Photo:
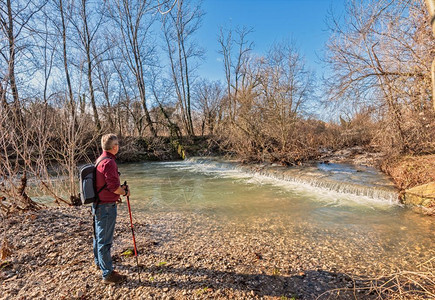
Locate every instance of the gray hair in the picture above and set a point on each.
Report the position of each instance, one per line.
(108, 141)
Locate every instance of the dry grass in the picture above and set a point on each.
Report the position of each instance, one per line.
(410, 171)
(418, 284)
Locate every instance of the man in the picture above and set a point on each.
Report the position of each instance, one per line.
(105, 210)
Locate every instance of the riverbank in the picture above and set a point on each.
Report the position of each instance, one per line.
(406, 172)
(47, 254)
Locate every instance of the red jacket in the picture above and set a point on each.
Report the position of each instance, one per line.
(107, 173)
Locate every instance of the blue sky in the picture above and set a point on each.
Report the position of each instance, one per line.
(302, 21)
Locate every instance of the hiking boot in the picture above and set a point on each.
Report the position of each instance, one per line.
(114, 277)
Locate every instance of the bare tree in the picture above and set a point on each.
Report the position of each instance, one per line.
(234, 63)
(125, 95)
(15, 158)
(62, 29)
(179, 27)
(14, 19)
(68, 146)
(209, 99)
(162, 90)
(8, 20)
(269, 93)
(87, 20)
(134, 20)
(285, 85)
(379, 54)
(226, 43)
(105, 74)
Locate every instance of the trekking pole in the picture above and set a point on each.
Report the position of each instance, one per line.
(132, 230)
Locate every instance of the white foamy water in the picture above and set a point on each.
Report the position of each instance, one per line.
(316, 185)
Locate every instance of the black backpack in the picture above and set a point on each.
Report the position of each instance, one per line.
(88, 189)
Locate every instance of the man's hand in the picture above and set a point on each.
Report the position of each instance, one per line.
(123, 190)
(126, 190)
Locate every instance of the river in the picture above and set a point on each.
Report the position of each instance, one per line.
(350, 215)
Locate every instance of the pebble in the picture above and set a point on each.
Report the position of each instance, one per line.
(80, 294)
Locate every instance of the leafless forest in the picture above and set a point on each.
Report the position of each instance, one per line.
(72, 70)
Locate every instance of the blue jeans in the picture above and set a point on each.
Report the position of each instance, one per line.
(105, 219)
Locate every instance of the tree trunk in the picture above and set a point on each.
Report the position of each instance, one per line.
(82, 104)
(12, 80)
(87, 44)
(147, 113)
(4, 104)
(104, 83)
(91, 93)
(130, 34)
(188, 108)
(65, 62)
(174, 77)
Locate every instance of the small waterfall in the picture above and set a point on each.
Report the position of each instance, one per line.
(343, 179)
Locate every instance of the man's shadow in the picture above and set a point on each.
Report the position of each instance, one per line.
(310, 284)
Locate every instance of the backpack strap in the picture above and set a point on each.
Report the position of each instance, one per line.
(95, 176)
(95, 182)
(103, 158)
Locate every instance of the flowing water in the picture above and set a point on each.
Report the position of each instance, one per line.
(350, 209)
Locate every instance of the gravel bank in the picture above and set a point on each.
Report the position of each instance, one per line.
(182, 256)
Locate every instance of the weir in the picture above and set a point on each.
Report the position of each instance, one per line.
(341, 178)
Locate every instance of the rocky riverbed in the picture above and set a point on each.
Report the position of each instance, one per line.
(48, 255)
